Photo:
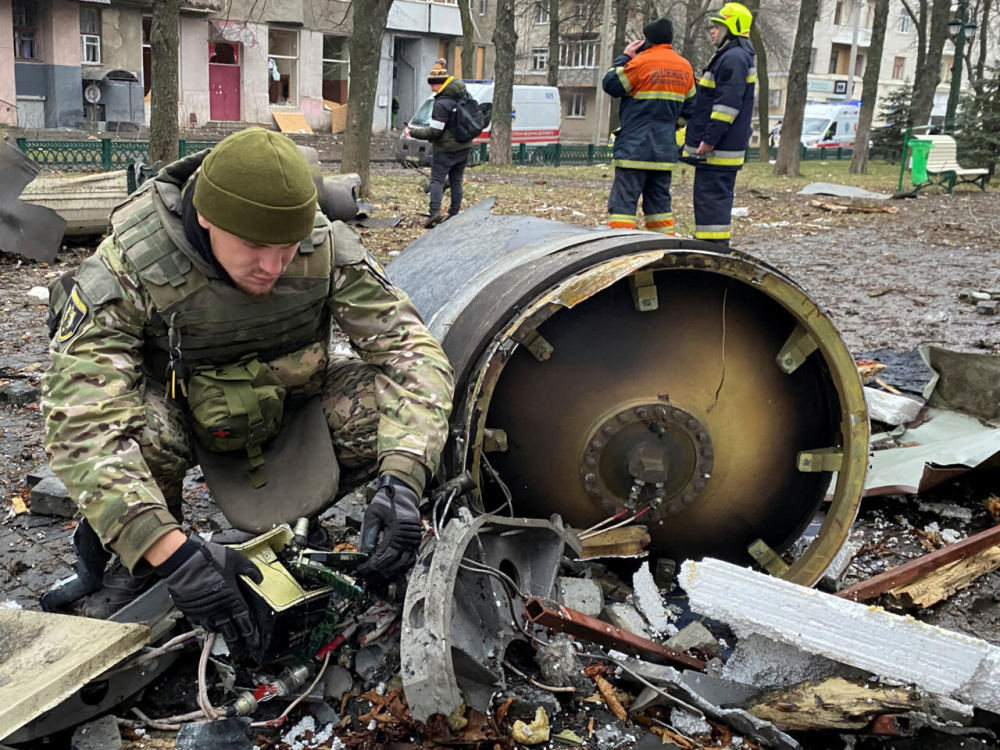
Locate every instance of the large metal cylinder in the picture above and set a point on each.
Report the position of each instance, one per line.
(599, 370)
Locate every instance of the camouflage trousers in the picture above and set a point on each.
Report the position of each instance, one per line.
(348, 401)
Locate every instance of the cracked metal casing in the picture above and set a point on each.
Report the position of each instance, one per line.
(456, 623)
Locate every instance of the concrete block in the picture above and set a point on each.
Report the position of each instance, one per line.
(889, 408)
(694, 635)
(766, 664)
(625, 617)
(582, 594)
(50, 498)
(48, 657)
(987, 307)
(830, 580)
(689, 724)
(36, 475)
(100, 734)
(647, 597)
(18, 393)
(899, 648)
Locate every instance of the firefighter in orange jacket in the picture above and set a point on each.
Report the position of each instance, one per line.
(657, 88)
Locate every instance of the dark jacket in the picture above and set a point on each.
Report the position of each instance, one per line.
(723, 110)
(657, 91)
(439, 132)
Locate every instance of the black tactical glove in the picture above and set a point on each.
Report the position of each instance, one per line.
(392, 513)
(202, 580)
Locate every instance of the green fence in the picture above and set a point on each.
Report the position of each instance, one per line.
(570, 155)
(106, 154)
(98, 155)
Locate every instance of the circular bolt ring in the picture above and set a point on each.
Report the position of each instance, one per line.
(604, 434)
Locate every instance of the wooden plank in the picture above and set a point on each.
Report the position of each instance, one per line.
(45, 658)
(338, 116)
(833, 703)
(627, 541)
(944, 582)
(292, 122)
(921, 566)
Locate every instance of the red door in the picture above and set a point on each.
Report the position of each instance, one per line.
(224, 81)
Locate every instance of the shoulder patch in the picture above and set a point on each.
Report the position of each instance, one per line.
(377, 269)
(73, 318)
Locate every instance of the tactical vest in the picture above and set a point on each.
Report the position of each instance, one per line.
(207, 321)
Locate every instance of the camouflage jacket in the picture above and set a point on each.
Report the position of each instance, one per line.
(93, 392)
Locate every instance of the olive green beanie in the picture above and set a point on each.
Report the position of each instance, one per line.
(256, 184)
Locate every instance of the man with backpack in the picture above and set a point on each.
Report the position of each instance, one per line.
(455, 122)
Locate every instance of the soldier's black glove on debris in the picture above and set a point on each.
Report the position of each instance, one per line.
(202, 580)
(394, 514)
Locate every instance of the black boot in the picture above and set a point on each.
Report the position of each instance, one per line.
(118, 588)
(435, 218)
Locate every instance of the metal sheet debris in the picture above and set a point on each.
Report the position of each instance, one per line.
(461, 610)
(25, 229)
(842, 191)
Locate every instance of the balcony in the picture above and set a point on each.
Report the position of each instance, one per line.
(844, 34)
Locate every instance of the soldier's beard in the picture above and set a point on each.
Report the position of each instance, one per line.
(254, 291)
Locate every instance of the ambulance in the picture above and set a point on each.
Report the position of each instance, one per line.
(535, 119)
(830, 125)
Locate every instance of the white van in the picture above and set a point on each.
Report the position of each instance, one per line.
(536, 118)
(830, 125)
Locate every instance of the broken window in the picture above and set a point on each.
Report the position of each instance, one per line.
(25, 16)
(282, 66)
(90, 35)
(336, 68)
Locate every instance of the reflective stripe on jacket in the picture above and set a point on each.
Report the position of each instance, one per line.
(723, 109)
(657, 91)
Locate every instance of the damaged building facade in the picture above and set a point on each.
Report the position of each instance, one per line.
(79, 63)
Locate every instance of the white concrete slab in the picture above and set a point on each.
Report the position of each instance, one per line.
(900, 648)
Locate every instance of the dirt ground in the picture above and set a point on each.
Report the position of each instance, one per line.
(889, 280)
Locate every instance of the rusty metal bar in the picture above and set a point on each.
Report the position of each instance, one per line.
(921, 566)
(584, 627)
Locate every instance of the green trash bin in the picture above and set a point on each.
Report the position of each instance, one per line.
(919, 150)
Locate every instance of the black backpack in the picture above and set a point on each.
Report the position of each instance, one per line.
(468, 120)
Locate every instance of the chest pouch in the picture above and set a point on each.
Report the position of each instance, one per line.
(236, 407)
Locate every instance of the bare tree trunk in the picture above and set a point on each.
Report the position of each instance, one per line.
(552, 73)
(505, 43)
(622, 10)
(789, 150)
(919, 18)
(984, 36)
(366, 54)
(648, 11)
(763, 86)
(468, 40)
(929, 76)
(859, 157)
(164, 42)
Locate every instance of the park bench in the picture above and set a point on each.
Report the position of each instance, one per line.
(943, 168)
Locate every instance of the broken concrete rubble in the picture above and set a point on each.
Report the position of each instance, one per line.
(649, 603)
(694, 636)
(936, 660)
(582, 594)
(768, 664)
(100, 734)
(51, 498)
(891, 409)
